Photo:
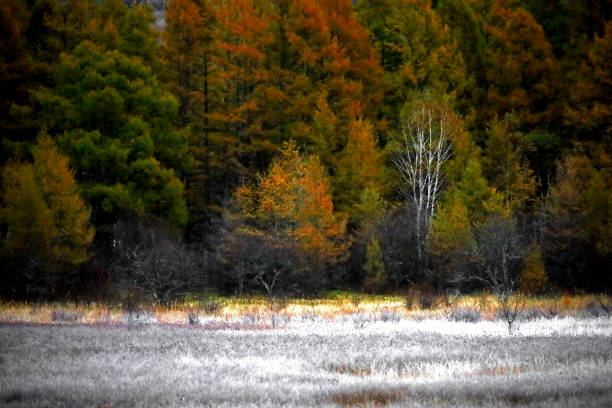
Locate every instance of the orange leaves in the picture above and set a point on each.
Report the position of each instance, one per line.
(242, 23)
(242, 47)
(242, 51)
(522, 70)
(243, 19)
(589, 108)
(335, 47)
(293, 200)
(581, 199)
(185, 15)
(338, 62)
(277, 195)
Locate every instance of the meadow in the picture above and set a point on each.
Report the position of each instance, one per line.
(340, 352)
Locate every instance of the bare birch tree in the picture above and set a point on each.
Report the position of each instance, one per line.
(424, 148)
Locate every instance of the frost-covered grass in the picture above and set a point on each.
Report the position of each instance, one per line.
(355, 359)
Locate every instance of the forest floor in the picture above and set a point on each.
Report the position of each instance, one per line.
(364, 357)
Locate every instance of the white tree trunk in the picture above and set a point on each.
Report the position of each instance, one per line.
(425, 147)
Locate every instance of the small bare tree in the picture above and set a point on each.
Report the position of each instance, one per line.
(273, 264)
(154, 261)
(254, 259)
(499, 261)
(424, 149)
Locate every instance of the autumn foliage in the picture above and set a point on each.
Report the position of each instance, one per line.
(269, 135)
(293, 201)
(49, 231)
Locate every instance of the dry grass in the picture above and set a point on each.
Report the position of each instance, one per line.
(259, 308)
(369, 398)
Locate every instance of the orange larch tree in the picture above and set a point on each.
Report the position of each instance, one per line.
(244, 38)
(49, 229)
(589, 108)
(416, 50)
(360, 167)
(189, 47)
(522, 72)
(293, 202)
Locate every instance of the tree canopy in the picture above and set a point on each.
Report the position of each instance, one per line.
(308, 144)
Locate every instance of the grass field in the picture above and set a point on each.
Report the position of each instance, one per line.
(364, 355)
(261, 309)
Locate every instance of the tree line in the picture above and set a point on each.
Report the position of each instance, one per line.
(291, 146)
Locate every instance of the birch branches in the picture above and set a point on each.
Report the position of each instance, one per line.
(424, 148)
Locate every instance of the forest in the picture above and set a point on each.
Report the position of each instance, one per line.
(288, 147)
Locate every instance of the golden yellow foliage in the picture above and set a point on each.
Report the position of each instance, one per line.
(534, 279)
(48, 221)
(293, 201)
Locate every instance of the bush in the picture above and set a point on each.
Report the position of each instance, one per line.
(468, 315)
(260, 262)
(361, 320)
(595, 309)
(193, 317)
(154, 261)
(530, 314)
(66, 316)
(277, 304)
(389, 316)
(211, 307)
(423, 297)
(138, 317)
(445, 301)
(426, 301)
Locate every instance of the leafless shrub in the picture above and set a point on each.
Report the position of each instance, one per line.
(258, 261)
(362, 320)
(553, 309)
(446, 302)
(423, 297)
(531, 314)
(139, 317)
(595, 309)
(152, 260)
(499, 259)
(211, 307)
(390, 316)
(468, 315)
(193, 317)
(63, 315)
(276, 305)
(510, 309)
